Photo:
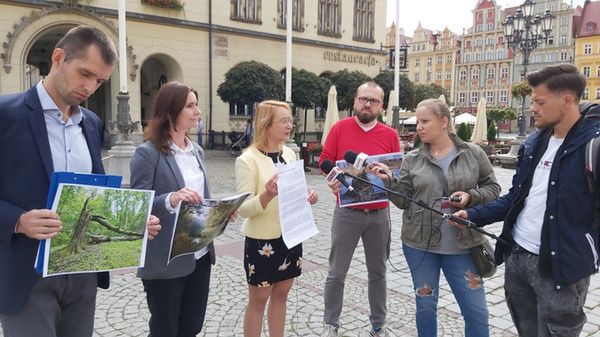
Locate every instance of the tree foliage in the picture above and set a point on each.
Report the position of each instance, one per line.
(425, 91)
(464, 132)
(308, 89)
(406, 90)
(491, 131)
(498, 114)
(346, 83)
(251, 82)
(521, 90)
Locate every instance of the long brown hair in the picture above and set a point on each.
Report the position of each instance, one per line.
(263, 119)
(168, 103)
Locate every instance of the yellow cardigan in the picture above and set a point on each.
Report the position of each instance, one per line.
(252, 171)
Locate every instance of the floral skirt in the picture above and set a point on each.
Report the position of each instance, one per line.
(270, 261)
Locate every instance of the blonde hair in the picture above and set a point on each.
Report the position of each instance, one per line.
(263, 119)
(440, 109)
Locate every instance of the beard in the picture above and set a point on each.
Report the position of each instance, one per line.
(365, 118)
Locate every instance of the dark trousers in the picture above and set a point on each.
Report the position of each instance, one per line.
(177, 306)
(537, 308)
(58, 306)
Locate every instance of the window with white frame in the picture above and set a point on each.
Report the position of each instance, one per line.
(477, 57)
(429, 61)
(491, 73)
(490, 26)
(587, 48)
(586, 94)
(563, 39)
(462, 97)
(439, 59)
(503, 96)
(417, 62)
(428, 76)
(597, 93)
(462, 75)
(246, 10)
(474, 97)
(504, 72)
(563, 56)
(438, 75)
(587, 71)
(490, 41)
(448, 75)
(489, 97)
(598, 72)
(550, 57)
(364, 20)
(500, 54)
(537, 58)
(468, 58)
(297, 14)
(449, 59)
(475, 73)
(330, 18)
(550, 40)
(417, 77)
(477, 42)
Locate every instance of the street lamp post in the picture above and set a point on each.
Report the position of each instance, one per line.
(525, 32)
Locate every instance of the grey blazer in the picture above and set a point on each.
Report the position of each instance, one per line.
(153, 170)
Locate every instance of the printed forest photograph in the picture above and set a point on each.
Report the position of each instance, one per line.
(103, 229)
(197, 225)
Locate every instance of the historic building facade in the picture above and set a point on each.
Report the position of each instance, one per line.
(432, 58)
(196, 42)
(484, 68)
(587, 49)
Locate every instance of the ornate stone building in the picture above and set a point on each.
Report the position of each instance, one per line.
(587, 48)
(485, 64)
(432, 58)
(196, 42)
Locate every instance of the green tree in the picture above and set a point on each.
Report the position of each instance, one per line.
(251, 82)
(498, 114)
(346, 83)
(491, 132)
(406, 88)
(308, 91)
(464, 132)
(425, 91)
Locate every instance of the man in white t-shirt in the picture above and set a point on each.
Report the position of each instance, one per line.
(549, 212)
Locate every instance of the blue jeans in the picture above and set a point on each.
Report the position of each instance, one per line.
(466, 285)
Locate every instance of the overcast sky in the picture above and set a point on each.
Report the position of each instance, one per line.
(437, 14)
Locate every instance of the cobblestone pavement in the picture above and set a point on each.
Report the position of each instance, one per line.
(122, 310)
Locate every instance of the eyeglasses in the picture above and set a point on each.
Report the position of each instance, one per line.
(286, 120)
(373, 101)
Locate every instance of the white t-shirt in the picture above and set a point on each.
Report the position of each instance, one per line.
(528, 228)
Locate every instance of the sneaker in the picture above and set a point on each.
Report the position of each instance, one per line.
(381, 333)
(330, 331)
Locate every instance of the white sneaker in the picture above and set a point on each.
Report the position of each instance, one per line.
(330, 331)
(381, 333)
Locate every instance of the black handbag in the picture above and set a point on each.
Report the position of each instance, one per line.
(483, 257)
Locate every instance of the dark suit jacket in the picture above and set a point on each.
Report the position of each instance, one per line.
(25, 170)
(153, 170)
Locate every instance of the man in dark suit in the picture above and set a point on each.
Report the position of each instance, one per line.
(41, 131)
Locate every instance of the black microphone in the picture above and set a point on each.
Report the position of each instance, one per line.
(358, 161)
(334, 172)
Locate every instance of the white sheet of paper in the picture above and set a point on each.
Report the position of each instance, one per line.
(295, 214)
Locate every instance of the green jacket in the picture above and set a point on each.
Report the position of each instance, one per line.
(469, 172)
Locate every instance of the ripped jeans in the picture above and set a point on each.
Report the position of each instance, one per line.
(465, 284)
(536, 307)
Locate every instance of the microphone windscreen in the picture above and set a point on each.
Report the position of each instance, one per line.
(327, 166)
(350, 156)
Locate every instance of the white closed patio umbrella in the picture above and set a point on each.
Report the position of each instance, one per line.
(389, 117)
(332, 114)
(442, 98)
(479, 135)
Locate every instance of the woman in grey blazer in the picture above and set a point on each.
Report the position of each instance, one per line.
(172, 165)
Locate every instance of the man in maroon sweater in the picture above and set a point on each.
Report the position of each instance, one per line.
(359, 133)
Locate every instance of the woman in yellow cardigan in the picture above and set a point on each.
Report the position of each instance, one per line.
(270, 266)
